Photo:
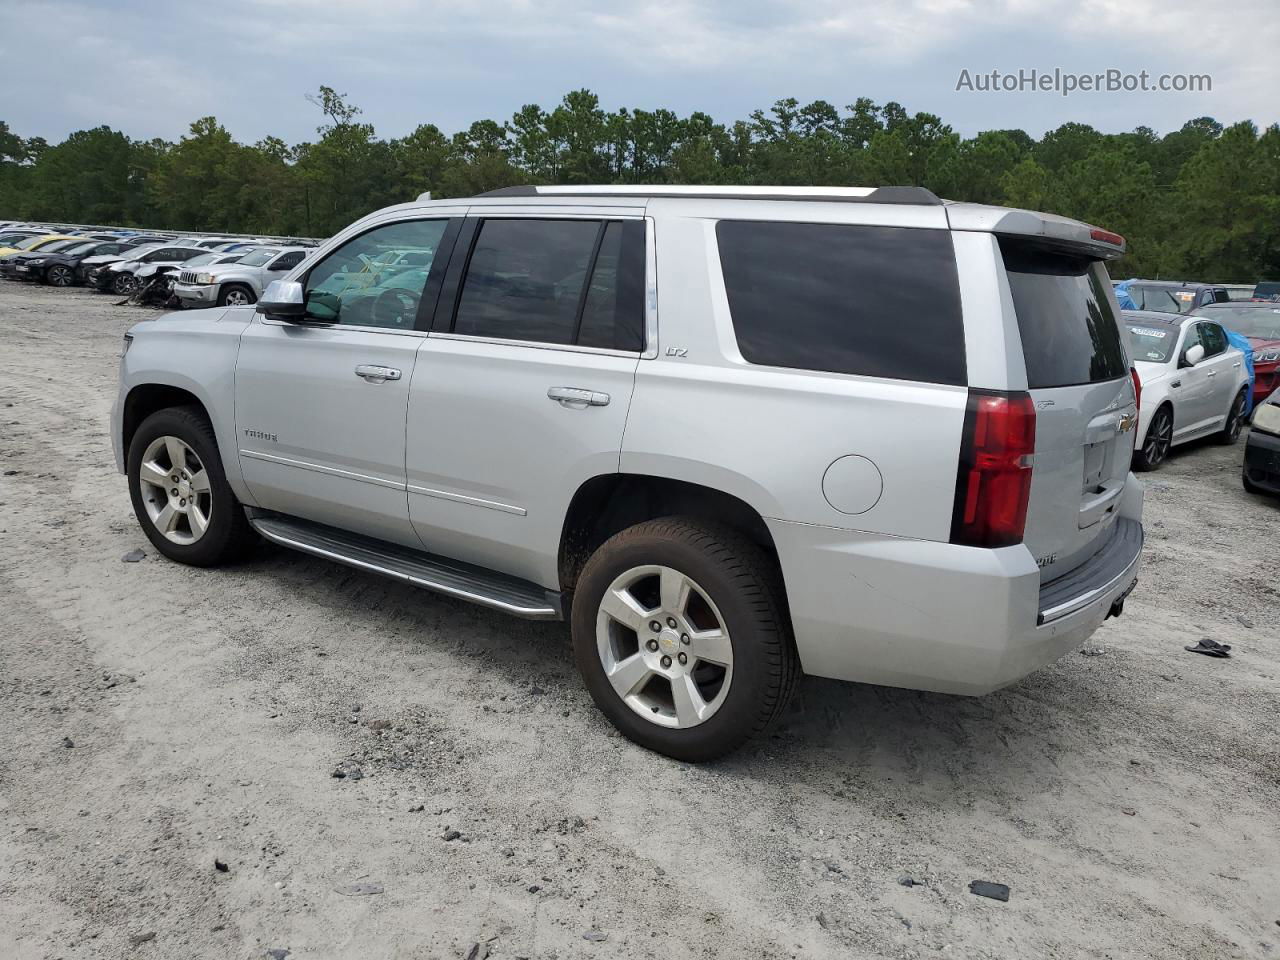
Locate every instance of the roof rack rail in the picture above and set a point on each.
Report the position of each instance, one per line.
(907, 195)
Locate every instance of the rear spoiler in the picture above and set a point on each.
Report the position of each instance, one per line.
(1057, 231)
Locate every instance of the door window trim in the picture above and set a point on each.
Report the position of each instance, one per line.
(451, 289)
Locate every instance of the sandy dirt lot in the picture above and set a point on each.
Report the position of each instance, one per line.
(162, 723)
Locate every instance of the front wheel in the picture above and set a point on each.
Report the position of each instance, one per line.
(180, 493)
(681, 635)
(59, 275)
(1156, 444)
(124, 284)
(1235, 420)
(236, 295)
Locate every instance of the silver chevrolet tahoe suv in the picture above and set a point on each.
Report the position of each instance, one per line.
(729, 434)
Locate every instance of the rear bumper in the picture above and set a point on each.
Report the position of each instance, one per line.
(941, 617)
(1262, 461)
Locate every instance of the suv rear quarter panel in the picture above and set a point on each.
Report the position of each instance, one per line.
(769, 435)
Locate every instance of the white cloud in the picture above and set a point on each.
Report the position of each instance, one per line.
(151, 69)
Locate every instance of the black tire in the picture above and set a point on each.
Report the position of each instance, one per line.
(1230, 432)
(228, 535)
(744, 584)
(123, 284)
(1157, 441)
(237, 288)
(59, 275)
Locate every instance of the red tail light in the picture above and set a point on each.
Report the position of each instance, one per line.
(1137, 388)
(1106, 236)
(993, 485)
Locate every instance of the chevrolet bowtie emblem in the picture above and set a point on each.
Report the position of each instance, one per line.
(1126, 423)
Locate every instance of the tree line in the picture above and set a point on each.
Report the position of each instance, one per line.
(1202, 202)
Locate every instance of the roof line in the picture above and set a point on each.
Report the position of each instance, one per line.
(917, 196)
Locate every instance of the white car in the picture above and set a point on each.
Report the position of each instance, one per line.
(1194, 383)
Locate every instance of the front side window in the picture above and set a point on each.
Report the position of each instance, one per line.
(376, 279)
(556, 282)
(1191, 339)
(1214, 340)
(868, 300)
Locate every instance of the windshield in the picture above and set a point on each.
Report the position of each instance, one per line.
(1162, 299)
(259, 257)
(201, 260)
(1262, 322)
(57, 245)
(9, 239)
(75, 247)
(30, 242)
(1153, 342)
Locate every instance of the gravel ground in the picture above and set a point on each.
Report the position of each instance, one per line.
(170, 735)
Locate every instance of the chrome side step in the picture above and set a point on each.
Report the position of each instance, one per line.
(509, 594)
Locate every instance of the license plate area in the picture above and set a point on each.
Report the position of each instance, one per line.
(1095, 465)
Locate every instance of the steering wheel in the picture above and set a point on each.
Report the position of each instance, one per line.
(395, 308)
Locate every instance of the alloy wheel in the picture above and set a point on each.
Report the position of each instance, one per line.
(236, 298)
(60, 276)
(1235, 419)
(175, 490)
(1159, 440)
(664, 646)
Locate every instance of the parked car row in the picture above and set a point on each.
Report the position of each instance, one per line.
(125, 263)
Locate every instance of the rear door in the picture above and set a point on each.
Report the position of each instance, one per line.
(521, 392)
(1079, 380)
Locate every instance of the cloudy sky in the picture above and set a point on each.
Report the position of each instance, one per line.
(150, 67)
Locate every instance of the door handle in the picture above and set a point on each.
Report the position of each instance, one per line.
(578, 398)
(1212, 373)
(376, 374)
(1236, 364)
(1176, 383)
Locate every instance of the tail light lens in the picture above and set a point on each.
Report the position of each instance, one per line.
(1137, 387)
(993, 484)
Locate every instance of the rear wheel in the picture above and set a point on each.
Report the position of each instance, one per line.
(681, 636)
(180, 493)
(59, 275)
(1235, 420)
(1158, 441)
(235, 295)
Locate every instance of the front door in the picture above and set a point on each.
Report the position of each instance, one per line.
(320, 405)
(521, 392)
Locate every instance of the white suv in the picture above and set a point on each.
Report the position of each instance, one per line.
(730, 434)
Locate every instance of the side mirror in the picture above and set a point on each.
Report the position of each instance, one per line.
(283, 300)
(1193, 355)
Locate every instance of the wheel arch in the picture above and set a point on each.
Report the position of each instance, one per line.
(171, 390)
(607, 504)
(148, 398)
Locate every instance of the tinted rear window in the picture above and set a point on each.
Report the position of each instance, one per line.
(1069, 331)
(875, 301)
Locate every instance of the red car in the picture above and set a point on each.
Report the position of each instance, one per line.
(1259, 320)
